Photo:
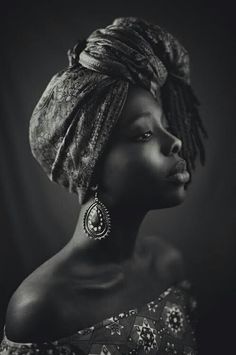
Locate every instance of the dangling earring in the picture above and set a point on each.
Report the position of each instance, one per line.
(97, 220)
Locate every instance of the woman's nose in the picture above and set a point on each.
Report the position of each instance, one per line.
(172, 144)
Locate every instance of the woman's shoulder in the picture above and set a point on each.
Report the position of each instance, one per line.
(30, 308)
(165, 258)
(34, 307)
(47, 305)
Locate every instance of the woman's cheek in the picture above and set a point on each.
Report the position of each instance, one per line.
(127, 169)
(150, 159)
(114, 168)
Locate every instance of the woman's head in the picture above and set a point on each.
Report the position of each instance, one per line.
(85, 106)
(140, 154)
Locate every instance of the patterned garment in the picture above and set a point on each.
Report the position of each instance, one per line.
(75, 116)
(163, 326)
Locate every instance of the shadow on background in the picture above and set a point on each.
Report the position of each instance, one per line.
(38, 217)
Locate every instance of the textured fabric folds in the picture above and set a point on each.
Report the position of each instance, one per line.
(77, 112)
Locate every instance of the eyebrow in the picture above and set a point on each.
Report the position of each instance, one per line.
(143, 114)
(137, 116)
(146, 114)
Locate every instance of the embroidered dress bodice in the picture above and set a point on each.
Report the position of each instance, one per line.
(162, 326)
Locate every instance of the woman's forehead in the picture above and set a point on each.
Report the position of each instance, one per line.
(139, 103)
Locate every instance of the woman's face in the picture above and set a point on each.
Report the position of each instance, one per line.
(139, 156)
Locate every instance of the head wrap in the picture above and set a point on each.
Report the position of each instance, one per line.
(77, 112)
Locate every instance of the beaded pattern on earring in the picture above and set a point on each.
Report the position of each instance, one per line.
(97, 220)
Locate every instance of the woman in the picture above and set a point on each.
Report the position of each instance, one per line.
(120, 128)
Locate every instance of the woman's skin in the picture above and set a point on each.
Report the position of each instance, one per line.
(90, 280)
(132, 176)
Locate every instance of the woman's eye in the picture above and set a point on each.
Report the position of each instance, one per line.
(143, 137)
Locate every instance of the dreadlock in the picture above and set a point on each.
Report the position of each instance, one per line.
(181, 109)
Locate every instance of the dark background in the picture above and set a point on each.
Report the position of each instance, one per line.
(38, 217)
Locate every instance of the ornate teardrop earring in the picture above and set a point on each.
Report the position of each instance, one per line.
(97, 220)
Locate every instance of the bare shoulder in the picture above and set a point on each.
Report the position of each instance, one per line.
(26, 314)
(33, 308)
(166, 259)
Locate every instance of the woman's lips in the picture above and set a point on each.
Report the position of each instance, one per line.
(179, 177)
(179, 173)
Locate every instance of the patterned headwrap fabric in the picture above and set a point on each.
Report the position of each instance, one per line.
(77, 112)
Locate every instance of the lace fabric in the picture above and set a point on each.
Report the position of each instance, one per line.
(162, 326)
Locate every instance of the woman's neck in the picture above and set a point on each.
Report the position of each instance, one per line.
(117, 247)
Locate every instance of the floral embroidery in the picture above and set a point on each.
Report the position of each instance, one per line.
(146, 336)
(152, 306)
(105, 351)
(174, 318)
(170, 348)
(115, 328)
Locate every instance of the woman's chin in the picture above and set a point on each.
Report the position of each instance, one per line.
(177, 196)
(171, 199)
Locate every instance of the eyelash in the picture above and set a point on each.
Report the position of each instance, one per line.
(139, 138)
